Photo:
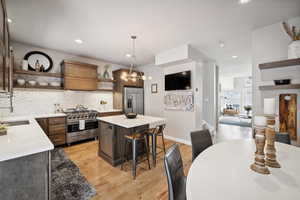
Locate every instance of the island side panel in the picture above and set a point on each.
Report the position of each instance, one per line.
(25, 178)
(111, 142)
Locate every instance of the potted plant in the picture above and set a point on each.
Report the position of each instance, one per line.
(3, 129)
(294, 47)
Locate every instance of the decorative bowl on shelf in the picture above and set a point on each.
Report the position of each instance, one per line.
(55, 84)
(32, 83)
(43, 84)
(21, 81)
(131, 115)
(282, 82)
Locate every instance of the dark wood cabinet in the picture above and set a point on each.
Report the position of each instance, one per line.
(120, 84)
(55, 128)
(112, 141)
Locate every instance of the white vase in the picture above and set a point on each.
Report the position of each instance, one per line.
(294, 50)
(25, 65)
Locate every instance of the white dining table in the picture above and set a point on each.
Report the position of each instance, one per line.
(222, 172)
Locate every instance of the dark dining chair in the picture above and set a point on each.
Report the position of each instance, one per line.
(201, 140)
(175, 175)
(283, 138)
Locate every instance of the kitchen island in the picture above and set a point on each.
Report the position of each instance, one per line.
(112, 132)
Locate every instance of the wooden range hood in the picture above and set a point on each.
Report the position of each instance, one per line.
(79, 76)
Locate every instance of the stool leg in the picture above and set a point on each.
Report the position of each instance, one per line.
(124, 154)
(134, 158)
(147, 150)
(154, 149)
(163, 141)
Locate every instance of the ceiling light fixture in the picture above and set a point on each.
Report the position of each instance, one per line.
(78, 41)
(244, 1)
(9, 20)
(234, 57)
(133, 75)
(128, 55)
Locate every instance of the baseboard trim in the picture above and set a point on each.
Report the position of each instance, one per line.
(178, 140)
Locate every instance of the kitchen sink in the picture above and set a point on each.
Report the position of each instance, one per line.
(16, 123)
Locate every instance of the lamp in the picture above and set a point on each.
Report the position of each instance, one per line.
(133, 75)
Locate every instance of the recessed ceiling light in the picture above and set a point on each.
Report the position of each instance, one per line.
(234, 57)
(244, 1)
(221, 44)
(9, 20)
(78, 41)
(128, 55)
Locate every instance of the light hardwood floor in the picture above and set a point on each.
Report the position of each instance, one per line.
(111, 183)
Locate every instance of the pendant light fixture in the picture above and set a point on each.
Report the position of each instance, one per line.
(133, 75)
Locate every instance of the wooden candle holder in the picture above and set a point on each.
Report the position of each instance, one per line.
(271, 150)
(259, 165)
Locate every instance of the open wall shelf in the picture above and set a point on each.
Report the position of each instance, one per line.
(106, 80)
(33, 73)
(38, 87)
(279, 87)
(280, 64)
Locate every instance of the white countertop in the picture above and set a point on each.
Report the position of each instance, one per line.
(140, 120)
(24, 140)
(223, 172)
(109, 110)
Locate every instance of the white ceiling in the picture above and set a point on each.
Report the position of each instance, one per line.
(105, 26)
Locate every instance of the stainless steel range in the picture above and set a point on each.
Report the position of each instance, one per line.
(82, 124)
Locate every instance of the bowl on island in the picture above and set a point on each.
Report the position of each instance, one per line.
(21, 81)
(131, 115)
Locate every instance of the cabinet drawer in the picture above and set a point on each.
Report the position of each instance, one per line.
(58, 129)
(58, 139)
(57, 120)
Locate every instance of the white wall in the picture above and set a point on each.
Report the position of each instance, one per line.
(271, 44)
(179, 123)
(210, 94)
(226, 82)
(42, 101)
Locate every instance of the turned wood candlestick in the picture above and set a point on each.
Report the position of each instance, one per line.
(260, 140)
(271, 150)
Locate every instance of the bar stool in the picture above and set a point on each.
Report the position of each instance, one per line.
(134, 139)
(154, 133)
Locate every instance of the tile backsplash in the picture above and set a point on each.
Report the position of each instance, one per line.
(39, 102)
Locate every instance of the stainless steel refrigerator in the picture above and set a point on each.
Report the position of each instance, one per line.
(134, 100)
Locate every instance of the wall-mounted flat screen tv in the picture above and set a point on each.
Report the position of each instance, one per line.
(178, 81)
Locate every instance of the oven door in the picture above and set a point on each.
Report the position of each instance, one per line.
(74, 127)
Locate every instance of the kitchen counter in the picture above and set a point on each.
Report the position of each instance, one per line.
(24, 140)
(108, 111)
(112, 135)
(140, 120)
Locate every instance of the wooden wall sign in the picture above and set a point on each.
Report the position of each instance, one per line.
(288, 114)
